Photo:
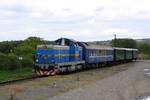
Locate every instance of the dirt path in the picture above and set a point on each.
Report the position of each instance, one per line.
(95, 82)
(127, 85)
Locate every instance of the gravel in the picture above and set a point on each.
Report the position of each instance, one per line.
(131, 84)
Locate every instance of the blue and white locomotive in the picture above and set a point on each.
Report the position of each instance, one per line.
(68, 55)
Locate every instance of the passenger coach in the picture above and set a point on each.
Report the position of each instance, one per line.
(94, 54)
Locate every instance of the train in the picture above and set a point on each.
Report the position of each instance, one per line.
(68, 55)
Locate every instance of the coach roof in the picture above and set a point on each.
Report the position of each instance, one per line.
(128, 49)
(91, 46)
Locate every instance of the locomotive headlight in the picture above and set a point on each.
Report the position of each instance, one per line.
(37, 60)
(52, 60)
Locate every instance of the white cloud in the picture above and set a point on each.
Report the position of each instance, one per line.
(79, 19)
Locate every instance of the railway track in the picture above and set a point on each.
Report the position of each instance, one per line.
(19, 80)
(35, 77)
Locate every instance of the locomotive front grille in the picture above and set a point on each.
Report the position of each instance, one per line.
(45, 66)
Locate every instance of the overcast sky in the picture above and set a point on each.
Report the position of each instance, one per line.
(83, 20)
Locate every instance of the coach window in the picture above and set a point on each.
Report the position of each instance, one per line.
(103, 52)
(95, 53)
(89, 53)
(107, 52)
(110, 52)
(92, 53)
(99, 52)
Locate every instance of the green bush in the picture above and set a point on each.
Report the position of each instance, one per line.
(13, 62)
(144, 48)
(125, 43)
(9, 62)
(27, 62)
(11, 51)
(3, 60)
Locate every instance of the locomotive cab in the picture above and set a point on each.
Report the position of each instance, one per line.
(65, 56)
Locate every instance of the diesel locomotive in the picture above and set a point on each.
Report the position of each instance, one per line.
(68, 55)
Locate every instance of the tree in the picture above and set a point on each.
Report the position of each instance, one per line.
(28, 47)
(144, 48)
(125, 43)
(10, 51)
(7, 46)
(9, 62)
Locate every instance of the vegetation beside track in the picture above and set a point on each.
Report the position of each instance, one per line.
(17, 58)
(7, 75)
(143, 47)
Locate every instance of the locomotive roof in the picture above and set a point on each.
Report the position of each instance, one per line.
(64, 41)
(52, 47)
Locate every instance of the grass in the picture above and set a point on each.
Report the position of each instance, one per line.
(6, 75)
